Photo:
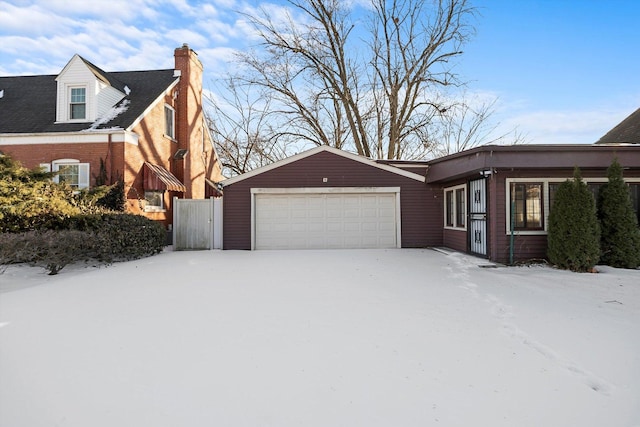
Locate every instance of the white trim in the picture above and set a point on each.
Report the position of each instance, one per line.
(79, 137)
(545, 200)
(316, 150)
(326, 190)
(455, 207)
(84, 179)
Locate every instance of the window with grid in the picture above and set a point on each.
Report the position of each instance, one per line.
(526, 203)
(78, 103)
(71, 172)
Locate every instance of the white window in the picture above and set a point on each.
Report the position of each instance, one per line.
(72, 172)
(154, 201)
(169, 122)
(455, 207)
(78, 103)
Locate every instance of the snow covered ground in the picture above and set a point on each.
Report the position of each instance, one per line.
(319, 338)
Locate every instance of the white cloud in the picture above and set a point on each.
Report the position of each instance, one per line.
(180, 36)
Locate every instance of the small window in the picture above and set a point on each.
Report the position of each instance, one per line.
(154, 201)
(460, 207)
(526, 202)
(455, 207)
(450, 209)
(71, 172)
(169, 122)
(78, 103)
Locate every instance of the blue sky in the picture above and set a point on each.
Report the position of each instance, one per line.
(563, 71)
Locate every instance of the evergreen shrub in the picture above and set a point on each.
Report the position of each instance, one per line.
(124, 237)
(620, 235)
(574, 233)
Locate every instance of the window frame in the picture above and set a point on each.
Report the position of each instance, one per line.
(526, 202)
(84, 169)
(456, 214)
(71, 104)
(154, 207)
(546, 196)
(169, 126)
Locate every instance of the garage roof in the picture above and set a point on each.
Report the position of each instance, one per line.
(317, 150)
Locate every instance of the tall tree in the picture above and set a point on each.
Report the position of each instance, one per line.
(378, 98)
(620, 238)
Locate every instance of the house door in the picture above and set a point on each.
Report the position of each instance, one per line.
(478, 216)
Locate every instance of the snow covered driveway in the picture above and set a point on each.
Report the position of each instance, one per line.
(319, 338)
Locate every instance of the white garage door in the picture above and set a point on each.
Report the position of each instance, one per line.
(319, 221)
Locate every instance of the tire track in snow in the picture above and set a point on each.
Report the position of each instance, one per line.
(504, 313)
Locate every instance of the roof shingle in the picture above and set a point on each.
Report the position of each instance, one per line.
(29, 102)
(627, 131)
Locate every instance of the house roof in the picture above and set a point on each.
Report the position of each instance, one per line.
(527, 157)
(29, 102)
(317, 150)
(627, 131)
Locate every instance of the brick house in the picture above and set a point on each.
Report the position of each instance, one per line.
(145, 128)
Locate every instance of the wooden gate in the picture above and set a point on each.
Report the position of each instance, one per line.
(194, 224)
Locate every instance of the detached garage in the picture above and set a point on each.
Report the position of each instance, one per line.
(326, 198)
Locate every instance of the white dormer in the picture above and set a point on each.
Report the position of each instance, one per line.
(84, 93)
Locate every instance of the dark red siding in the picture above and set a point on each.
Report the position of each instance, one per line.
(421, 206)
(455, 239)
(525, 247)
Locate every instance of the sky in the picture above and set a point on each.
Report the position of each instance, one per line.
(562, 71)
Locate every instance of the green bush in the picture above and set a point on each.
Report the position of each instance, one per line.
(51, 225)
(115, 199)
(574, 234)
(123, 237)
(620, 238)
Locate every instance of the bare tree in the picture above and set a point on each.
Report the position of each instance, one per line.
(466, 124)
(375, 98)
(241, 129)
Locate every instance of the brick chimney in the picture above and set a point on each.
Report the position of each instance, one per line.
(189, 120)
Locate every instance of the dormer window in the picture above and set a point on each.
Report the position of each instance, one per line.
(78, 103)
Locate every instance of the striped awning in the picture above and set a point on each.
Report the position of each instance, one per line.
(157, 177)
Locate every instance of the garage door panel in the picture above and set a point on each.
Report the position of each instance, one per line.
(315, 221)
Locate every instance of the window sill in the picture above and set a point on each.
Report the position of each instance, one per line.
(169, 138)
(154, 209)
(449, 227)
(527, 232)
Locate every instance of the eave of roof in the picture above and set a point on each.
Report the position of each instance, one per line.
(317, 150)
(527, 156)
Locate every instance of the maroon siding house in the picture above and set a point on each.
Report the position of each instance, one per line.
(328, 198)
(490, 201)
(497, 198)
